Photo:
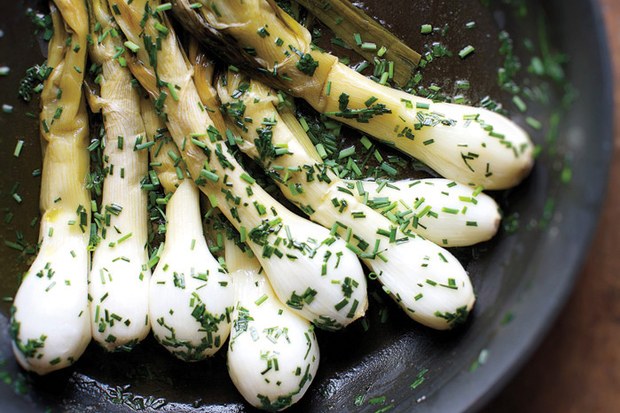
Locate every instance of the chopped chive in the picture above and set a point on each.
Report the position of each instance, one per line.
(466, 51)
(462, 84)
(18, 148)
(345, 153)
(211, 176)
(519, 103)
(370, 101)
(124, 238)
(132, 46)
(366, 142)
(262, 32)
(384, 78)
(261, 300)
(358, 39)
(144, 145)
(161, 28)
(389, 169)
(362, 66)
(173, 91)
(247, 178)
(368, 46)
(534, 123)
(163, 7)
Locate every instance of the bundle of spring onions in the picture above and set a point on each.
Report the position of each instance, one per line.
(423, 278)
(170, 123)
(462, 143)
(307, 266)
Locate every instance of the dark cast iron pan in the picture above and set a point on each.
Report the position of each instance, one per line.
(522, 279)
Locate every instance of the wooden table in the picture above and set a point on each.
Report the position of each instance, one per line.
(577, 367)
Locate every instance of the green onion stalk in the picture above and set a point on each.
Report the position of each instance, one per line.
(426, 280)
(470, 145)
(306, 265)
(191, 295)
(50, 325)
(120, 274)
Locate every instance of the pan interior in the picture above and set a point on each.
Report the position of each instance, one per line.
(522, 277)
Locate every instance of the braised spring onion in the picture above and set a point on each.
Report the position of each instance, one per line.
(446, 212)
(470, 145)
(119, 277)
(273, 354)
(50, 326)
(191, 295)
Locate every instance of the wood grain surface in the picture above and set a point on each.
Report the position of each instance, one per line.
(577, 367)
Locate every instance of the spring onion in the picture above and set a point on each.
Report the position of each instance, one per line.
(273, 354)
(49, 318)
(191, 295)
(119, 277)
(459, 215)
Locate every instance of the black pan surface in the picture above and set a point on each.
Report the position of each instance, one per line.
(522, 278)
